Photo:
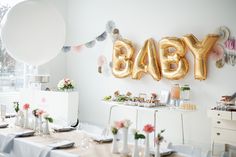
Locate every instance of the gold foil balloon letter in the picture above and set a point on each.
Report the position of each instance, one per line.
(200, 50)
(122, 58)
(174, 65)
(146, 61)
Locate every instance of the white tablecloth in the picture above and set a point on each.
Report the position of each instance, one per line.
(33, 146)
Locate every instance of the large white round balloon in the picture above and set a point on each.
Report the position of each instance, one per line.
(33, 32)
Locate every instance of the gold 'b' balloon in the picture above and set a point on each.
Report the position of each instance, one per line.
(174, 65)
(146, 61)
(200, 50)
(122, 58)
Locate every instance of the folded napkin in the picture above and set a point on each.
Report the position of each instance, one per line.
(61, 144)
(100, 137)
(56, 145)
(8, 140)
(63, 129)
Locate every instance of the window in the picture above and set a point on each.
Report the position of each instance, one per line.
(12, 73)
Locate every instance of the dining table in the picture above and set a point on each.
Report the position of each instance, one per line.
(33, 146)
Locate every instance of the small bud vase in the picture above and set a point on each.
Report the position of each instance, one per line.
(114, 146)
(147, 147)
(136, 149)
(46, 128)
(22, 119)
(35, 123)
(124, 149)
(157, 151)
(40, 125)
(17, 119)
(26, 121)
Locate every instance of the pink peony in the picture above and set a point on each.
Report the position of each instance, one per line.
(119, 124)
(148, 128)
(26, 106)
(39, 112)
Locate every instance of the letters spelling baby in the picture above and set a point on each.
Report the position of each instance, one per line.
(172, 63)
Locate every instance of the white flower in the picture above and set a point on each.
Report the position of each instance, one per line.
(60, 84)
(127, 123)
(45, 115)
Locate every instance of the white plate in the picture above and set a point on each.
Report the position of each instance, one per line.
(3, 125)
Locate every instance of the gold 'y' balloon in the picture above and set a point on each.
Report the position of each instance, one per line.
(174, 65)
(122, 58)
(146, 61)
(200, 50)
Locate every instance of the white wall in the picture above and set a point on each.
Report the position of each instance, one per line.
(138, 21)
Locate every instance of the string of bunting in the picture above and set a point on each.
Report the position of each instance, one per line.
(111, 30)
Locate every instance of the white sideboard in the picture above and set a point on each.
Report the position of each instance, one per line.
(62, 106)
(223, 127)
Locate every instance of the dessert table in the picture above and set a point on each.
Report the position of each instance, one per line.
(34, 145)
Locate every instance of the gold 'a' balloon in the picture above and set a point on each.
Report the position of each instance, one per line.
(146, 61)
(174, 65)
(122, 58)
(200, 50)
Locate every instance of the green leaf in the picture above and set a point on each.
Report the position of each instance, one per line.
(114, 130)
(138, 136)
(50, 120)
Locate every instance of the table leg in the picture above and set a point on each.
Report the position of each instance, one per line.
(155, 120)
(109, 119)
(136, 119)
(182, 128)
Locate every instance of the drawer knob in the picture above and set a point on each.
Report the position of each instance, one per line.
(217, 133)
(218, 114)
(218, 122)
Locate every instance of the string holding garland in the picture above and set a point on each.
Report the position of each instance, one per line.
(111, 30)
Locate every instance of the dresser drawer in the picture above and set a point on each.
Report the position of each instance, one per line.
(224, 135)
(225, 124)
(234, 116)
(220, 114)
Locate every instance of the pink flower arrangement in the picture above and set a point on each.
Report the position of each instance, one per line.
(119, 124)
(122, 124)
(39, 112)
(148, 128)
(26, 106)
(66, 84)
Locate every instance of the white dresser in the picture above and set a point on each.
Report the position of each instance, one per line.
(223, 127)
